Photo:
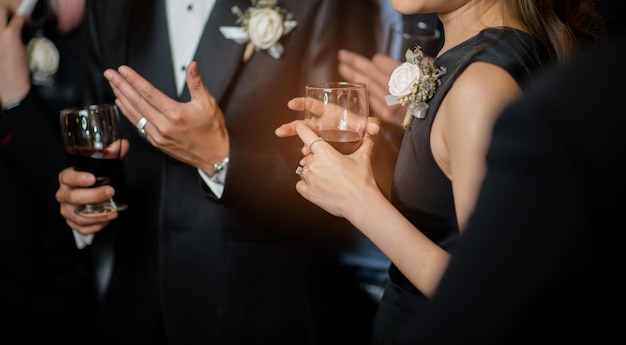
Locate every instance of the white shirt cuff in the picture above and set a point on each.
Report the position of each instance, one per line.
(13, 104)
(81, 240)
(216, 187)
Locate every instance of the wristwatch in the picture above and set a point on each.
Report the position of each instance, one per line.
(219, 171)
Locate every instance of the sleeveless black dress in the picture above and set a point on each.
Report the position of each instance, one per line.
(421, 191)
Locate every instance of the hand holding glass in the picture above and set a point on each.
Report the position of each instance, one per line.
(93, 144)
(338, 112)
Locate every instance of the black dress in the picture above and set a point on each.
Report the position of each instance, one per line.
(421, 191)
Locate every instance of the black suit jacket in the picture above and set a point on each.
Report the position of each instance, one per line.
(256, 266)
(46, 282)
(539, 261)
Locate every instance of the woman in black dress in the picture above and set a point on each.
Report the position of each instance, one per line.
(492, 50)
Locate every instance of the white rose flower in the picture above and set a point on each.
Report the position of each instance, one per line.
(265, 27)
(413, 83)
(43, 57)
(262, 26)
(403, 78)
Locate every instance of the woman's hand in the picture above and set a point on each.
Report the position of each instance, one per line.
(297, 104)
(333, 181)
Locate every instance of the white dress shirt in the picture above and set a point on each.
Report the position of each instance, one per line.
(186, 20)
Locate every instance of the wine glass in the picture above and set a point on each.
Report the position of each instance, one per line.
(337, 112)
(409, 33)
(93, 144)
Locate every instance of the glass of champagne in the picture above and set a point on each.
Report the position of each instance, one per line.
(93, 144)
(338, 112)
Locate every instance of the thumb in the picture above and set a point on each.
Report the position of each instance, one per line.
(367, 146)
(195, 84)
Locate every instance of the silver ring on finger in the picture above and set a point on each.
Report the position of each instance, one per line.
(141, 126)
(313, 142)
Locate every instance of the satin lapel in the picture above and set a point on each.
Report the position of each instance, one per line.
(218, 57)
(149, 49)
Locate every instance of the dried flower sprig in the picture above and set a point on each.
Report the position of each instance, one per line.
(413, 83)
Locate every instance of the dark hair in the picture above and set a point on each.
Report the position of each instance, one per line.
(563, 25)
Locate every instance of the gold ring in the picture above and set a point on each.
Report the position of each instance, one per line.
(313, 142)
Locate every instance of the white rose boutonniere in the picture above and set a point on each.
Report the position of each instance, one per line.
(413, 83)
(43, 59)
(403, 79)
(262, 26)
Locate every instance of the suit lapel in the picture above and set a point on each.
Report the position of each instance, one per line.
(149, 49)
(218, 57)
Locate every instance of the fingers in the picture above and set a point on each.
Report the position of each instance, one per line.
(17, 23)
(71, 178)
(383, 68)
(307, 136)
(195, 83)
(4, 17)
(287, 129)
(137, 97)
(86, 224)
(74, 188)
(373, 126)
(74, 191)
(200, 94)
(78, 191)
(297, 104)
(354, 67)
(375, 73)
(385, 65)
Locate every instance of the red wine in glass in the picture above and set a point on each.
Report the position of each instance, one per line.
(345, 142)
(338, 112)
(98, 162)
(93, 144)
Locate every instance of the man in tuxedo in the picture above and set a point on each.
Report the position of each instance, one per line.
(216, 245)
(47, 285)
(539, 261)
